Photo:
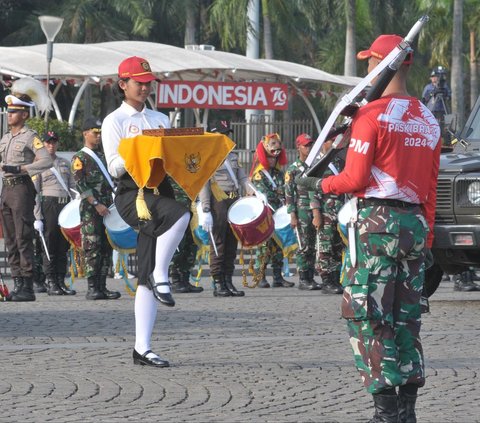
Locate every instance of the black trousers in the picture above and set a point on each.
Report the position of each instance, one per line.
(57, 245)
(17, 203)
(225, 240)
(165, 212)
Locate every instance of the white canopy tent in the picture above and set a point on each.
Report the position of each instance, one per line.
(98, 63)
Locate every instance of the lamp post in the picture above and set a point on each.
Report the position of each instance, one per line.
(50, 26)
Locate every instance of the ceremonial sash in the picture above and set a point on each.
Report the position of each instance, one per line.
(92, 154)
(60, 180)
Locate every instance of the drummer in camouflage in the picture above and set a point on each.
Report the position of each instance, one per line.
(301, 216)
(96, 194)
(183, 260)
(268, 177)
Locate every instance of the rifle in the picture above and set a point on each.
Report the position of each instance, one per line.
(349, 105)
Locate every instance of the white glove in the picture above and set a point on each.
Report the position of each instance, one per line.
(38, 225)
(206, 221)
(261, 196)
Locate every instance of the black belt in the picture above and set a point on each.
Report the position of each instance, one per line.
(372, 202)
(15, 180)
(53, 199)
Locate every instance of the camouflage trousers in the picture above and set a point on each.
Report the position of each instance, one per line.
(269, 252)
(381, 299)
(95, 245)
(184, 257)
(330, 246)
(305, 257)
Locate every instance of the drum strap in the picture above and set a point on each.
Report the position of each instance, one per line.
(229, 168)
(269, 177)
(60, 180)
(92, 154)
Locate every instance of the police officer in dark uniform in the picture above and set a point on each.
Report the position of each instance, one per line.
(96, 194)
(22, 155)
(53, 188)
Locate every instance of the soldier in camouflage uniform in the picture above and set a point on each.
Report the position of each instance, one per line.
(301, 216)
(391, 169)
(329, 249)
(96, 194)
(268, 178)
(184, 257)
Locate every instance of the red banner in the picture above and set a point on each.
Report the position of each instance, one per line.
(222, 95)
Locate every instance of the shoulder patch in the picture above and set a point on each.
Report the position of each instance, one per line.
(37, 143)
(34, 177)
(287, 177)
(77, 164)
(257, 177)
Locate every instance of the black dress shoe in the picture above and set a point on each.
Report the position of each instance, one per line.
(163, 298)
(143, 360)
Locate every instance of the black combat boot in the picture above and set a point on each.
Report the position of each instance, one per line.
(463, 282)
(231, 287)
(220, 290)
(263, 283)
(17, 284)
(178, 284)
(39, 285)
(311, 278)
(305, 284)
(331, 285)
(94, 292)
(60, 277)
(53, 288)
(186, 280)
(386, 409)
(102, 286)
(25, 291)
(406, 407)
(278, 280)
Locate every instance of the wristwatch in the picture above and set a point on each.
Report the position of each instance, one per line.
(95, 203)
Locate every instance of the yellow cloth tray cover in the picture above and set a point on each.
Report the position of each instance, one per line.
(190, 160)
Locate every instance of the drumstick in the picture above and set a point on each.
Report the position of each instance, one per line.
(256, 191)
(298, 238)
(213, 243)
(44, 245)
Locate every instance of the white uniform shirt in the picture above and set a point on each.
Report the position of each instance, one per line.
(126, 122)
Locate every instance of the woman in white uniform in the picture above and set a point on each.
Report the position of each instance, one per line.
(159, 237)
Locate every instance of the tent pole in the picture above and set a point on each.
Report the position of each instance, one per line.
(309, 105)
(76, 101)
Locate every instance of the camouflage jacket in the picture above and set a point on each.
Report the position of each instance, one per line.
(275, 191)
(295, 196)
(89, 179)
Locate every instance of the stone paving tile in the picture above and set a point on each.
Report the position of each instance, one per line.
(276, 355)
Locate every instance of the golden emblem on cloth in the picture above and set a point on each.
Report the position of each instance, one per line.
(192, 162)
(37, 143)
(77, 164)
(263, 226)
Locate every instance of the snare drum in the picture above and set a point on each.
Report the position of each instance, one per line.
(284, 234)
(251, 221)
(121, 236)
(70, 222)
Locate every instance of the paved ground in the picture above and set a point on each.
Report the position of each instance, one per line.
(276, 355)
